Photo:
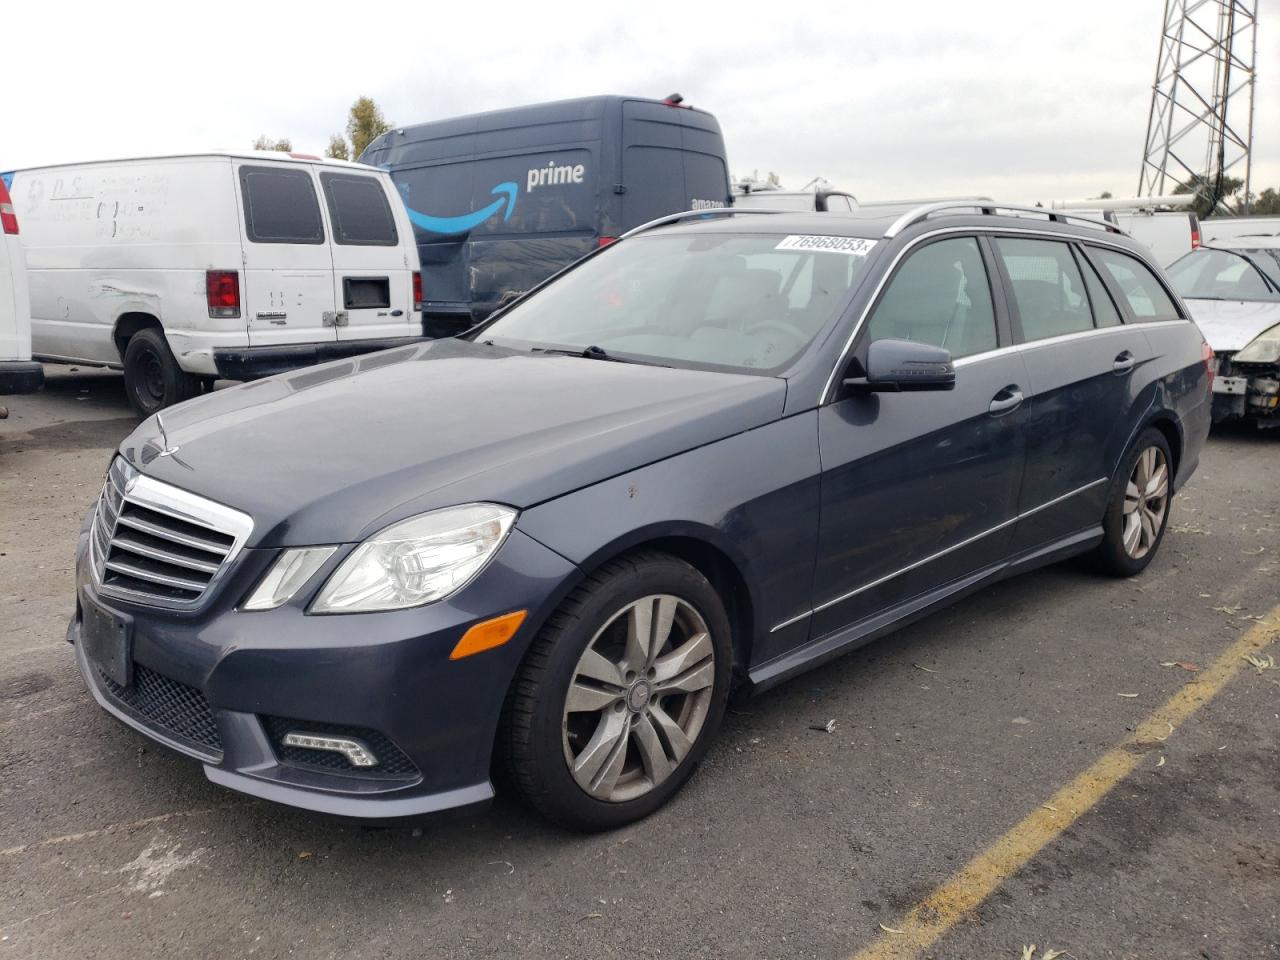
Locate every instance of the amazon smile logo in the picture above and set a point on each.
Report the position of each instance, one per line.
(506, 194)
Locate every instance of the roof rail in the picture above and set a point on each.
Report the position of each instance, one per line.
(691, 214)
(921, 213)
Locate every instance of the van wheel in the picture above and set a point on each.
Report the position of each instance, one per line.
(152, 378)
(1138, 509)
(621, 693)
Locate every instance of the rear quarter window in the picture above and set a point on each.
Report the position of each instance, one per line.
(1138, 285)
(280, 206)
(359, 211)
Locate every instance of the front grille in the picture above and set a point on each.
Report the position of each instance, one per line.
(157, 544)
(392, 761)
(180, 712)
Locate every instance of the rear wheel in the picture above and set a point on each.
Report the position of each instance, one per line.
(1138, 511)
(152, 378)
(621, 694)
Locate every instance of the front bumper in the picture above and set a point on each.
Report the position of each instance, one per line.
(1242, 390)
(221, 686)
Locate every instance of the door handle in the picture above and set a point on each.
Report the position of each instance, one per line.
(1124, 363)
(1006, 401)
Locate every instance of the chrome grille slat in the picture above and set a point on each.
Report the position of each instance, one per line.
(153, 576)
(157, 544)
(137, 523)
(164, 556)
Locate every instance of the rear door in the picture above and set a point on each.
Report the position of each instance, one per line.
(1080, 360)
(372, 285)
(288, 267)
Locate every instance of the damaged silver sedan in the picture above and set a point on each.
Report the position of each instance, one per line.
(1233, 292)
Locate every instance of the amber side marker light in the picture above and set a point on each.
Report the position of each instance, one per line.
(488, 634)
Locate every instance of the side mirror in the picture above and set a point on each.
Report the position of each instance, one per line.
(894, 365)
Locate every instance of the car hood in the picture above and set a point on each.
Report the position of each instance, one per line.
(335, 452)
(1230, 325)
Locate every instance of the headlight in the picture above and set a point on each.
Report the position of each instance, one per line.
(286, 577)
(1265, 348)
(417, 561)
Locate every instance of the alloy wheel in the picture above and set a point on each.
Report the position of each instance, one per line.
(1146, 499)
(639, 697)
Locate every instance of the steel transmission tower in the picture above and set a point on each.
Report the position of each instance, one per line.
(1201, 120)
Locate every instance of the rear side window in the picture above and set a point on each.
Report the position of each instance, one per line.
(1047, 287)
(359, 211)
(280, 206)
(941, 296)
(1137, 283)
(1105, 313)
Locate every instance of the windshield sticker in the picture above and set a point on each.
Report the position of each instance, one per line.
(853, 246)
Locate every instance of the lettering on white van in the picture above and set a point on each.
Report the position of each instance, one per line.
(553, 174)
(853, 246)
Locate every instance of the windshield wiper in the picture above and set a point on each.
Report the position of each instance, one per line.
(594, 353)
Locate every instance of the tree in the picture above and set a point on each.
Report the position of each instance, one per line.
(1267, 203)
(284, 144)
(337, 148)
(1207, 195)
(365, 124)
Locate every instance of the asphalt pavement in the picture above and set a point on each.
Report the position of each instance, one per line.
(789, 843)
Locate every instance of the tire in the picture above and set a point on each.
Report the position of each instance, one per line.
(152, 378)
(634, 737)
(1134, 526)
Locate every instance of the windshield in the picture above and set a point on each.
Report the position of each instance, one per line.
(746, 303)
(1226, 275)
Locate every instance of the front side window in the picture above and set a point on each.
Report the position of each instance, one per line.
(280, 206)
(358, 210)
(1047, 287)
(1221, 275)
(940, 295)
(749, 303)
(1139, 286)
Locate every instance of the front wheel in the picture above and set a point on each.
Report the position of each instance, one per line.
(1138, 510)
(621, 694)
(152, 378)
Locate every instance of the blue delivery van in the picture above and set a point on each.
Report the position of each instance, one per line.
(499, 201)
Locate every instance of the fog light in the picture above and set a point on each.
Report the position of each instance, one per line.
(357, 754)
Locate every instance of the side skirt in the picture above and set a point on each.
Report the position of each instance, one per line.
(822, 649)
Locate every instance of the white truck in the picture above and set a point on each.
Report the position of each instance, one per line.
(18, 372)
(184, 269)
(1167, 233)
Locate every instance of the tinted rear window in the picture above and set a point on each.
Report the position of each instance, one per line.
(280, 206)
(359, 211)
(1147, 298)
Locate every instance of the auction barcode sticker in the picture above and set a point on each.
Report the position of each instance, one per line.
(853, 246)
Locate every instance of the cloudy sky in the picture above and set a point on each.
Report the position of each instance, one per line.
(1016, 100)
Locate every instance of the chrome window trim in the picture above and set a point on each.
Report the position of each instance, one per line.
(938, 555)
(827, 396)
(161, 497)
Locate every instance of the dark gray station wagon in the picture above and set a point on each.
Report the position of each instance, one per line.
(718, 452)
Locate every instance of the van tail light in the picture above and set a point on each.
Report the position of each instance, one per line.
(1195, 231)
(222, 290)
(1206, 354)
(605, 241)
(8, 219)
(417, 290)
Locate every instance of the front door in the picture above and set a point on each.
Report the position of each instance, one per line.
(921, 489)
(288, 269)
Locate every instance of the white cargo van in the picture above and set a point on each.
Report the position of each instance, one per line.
(183, 269)
(18, 372)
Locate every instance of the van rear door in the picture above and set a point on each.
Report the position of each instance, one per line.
(288, 267)
(672, 160)
(373, 284)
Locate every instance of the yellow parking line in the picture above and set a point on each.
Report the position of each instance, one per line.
(943, 908)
